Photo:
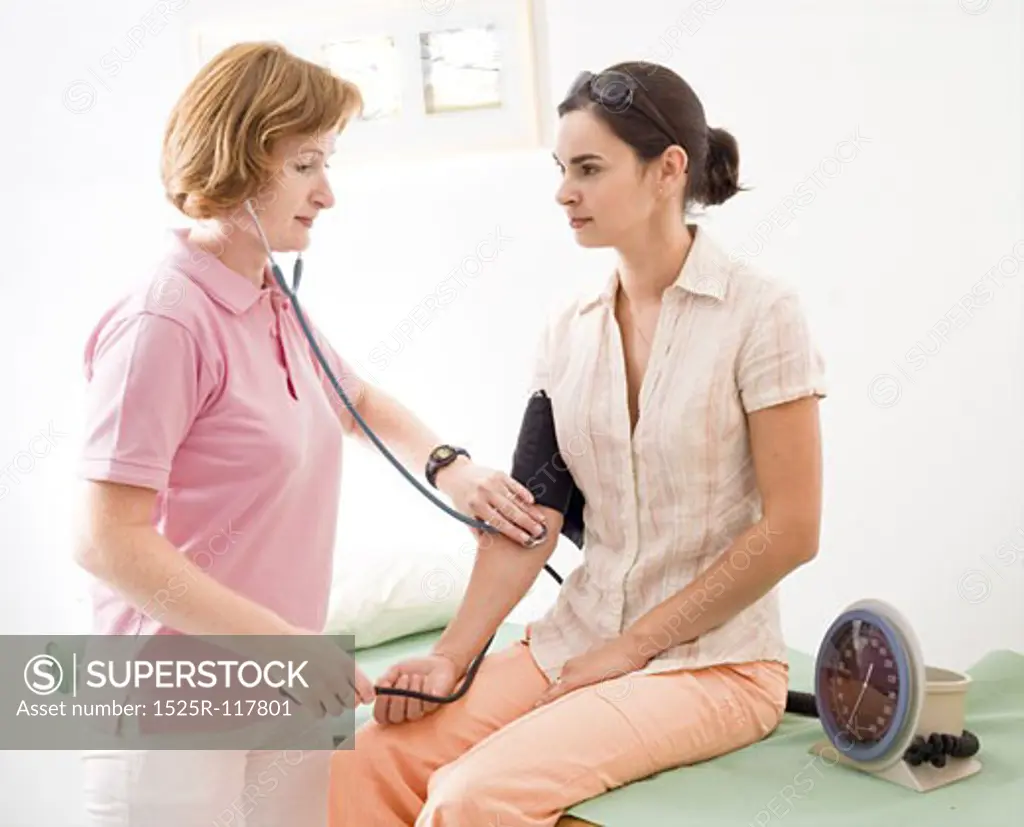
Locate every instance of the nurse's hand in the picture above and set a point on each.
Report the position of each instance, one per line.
(331, 681)
(433, 674)
(493, 496)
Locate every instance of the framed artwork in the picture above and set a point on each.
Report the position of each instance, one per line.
(438, 77)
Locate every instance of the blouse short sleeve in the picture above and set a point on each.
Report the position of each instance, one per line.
(780, 362)
(147, 382)
(540, 371)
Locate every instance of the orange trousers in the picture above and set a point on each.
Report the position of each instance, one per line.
(491, 760)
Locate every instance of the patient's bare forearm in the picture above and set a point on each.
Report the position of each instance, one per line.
(502, 574)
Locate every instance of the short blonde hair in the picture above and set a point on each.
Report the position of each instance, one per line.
(223, 129)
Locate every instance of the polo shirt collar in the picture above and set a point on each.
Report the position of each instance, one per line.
(228, 288)
(704, 273)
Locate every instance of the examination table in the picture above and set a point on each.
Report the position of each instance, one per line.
(778, 780)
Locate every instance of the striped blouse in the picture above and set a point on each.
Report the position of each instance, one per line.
(664, 502)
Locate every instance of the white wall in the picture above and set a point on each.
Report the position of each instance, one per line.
(895, 126)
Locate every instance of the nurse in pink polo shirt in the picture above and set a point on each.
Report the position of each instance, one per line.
(213, 439)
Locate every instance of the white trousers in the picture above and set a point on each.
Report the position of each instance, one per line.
(206, 788)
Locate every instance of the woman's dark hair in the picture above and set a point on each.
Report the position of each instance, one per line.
(651, 108)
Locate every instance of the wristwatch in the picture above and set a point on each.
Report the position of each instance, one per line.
(441, 457)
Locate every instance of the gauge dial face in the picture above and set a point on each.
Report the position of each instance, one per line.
(860, 682)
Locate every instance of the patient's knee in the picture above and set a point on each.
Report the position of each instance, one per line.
(459, 797)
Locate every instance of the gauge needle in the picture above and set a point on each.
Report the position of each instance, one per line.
(863, 689)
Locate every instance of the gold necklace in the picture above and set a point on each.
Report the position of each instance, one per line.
(636, 323)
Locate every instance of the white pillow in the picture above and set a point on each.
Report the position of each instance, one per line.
(383, 598)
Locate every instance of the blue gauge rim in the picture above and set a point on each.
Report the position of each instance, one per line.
(901, 655)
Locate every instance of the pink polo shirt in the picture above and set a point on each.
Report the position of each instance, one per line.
(203, 387)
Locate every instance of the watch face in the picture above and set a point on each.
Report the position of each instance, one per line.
(863, 685)
(443, 453)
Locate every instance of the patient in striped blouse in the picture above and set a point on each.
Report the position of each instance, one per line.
(685, 391)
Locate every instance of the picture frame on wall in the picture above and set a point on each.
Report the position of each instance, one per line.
(438, 77)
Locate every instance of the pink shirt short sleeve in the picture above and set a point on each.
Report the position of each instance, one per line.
(349, 381)
(148, 384)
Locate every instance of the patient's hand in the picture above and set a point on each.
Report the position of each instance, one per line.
(605, 661)
(434, 675)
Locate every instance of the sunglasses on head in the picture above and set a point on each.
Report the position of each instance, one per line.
(617, 92)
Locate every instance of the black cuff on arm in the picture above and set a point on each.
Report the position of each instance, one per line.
(537, 464)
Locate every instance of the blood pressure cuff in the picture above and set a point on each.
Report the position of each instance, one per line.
(538, 464)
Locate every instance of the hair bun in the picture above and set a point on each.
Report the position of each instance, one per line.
(722, 168)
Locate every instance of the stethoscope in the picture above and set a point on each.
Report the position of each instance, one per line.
(290, 292)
